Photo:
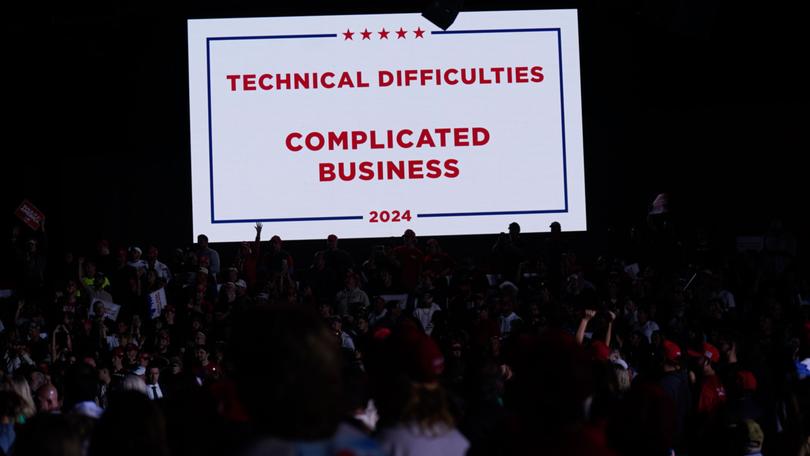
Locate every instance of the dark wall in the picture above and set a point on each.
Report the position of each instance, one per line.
(699, 98)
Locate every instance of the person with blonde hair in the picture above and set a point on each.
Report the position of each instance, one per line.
(415, 417)
(18, 384)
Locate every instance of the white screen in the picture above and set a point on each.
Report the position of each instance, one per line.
(493, 105)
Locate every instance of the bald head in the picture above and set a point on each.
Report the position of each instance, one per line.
(48, 399)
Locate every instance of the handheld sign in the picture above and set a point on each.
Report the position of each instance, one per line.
(30, 215)
(157, 302)
(109, 309)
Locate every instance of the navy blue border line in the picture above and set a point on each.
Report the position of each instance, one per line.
(294, 219)
(562, 121)
(519, 30)
(208, 41)
(360, 217)
(271, 37)
(476, 214)
(210, 130)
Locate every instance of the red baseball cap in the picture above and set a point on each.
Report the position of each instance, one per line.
(427, 362)
(422, 361)
(381, 333)
(672, 352)
(746, 381)
(709, 352)
(600, 351)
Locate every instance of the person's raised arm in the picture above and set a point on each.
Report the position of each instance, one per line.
(258, 239)
(609, 333)
(56, 331)
(20, 307)
(583, 324)
(257, 243)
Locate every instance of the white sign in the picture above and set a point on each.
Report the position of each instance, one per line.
(750, 243)
(157, 302)
(367, 125)
(400, 299)
(109, 309)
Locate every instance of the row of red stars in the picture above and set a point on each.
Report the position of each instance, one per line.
(366, 35)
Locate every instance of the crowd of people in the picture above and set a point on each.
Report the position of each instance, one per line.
(663, 342)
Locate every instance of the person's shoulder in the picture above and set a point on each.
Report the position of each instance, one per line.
(446, 440)
(350, 441)
(345, 442)
(456, 438)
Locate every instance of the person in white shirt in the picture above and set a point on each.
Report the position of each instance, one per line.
(89, 409)
(352, 297)
(645, 323)
(508, 316)
(204, 251)
(424, 313)
(152, 262)
(153, 390)
(346, 341)
(379, 312)
(135, 260)
(719, 292)
(15, 357)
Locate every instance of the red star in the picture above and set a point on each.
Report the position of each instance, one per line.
(347, 35)
(366, 34)
(419, 32)
(401, 33)
(383, 34)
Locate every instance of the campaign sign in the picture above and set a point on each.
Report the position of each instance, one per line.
(157, 302)
(367, 125)
(109, 309)
(30, 215)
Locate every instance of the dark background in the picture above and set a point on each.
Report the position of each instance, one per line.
(703, 99)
